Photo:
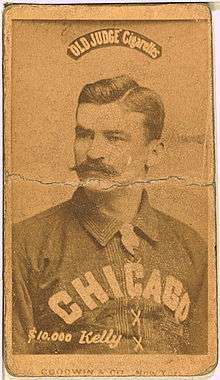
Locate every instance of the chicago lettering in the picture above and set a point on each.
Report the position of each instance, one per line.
(113, 37)
(169, 293)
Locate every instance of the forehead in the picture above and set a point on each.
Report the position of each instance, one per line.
(108, 116)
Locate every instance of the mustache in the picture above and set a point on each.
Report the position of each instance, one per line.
(95, 165)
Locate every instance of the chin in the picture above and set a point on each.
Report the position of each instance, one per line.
(99, 185)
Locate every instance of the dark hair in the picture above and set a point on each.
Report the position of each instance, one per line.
(132, 96)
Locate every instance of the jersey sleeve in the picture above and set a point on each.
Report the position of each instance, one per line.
(199, 321)
(198, 324)
(22, 310)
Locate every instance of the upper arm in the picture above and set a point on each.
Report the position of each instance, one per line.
(198, 324)
(21, 285)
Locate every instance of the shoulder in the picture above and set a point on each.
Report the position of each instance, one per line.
(44, 222)
(42, 237)
(190, 239)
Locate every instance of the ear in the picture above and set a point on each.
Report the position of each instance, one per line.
(155, 153)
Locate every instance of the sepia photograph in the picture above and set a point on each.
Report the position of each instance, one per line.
(110, 265)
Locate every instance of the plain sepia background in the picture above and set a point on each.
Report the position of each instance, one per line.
(45, 86)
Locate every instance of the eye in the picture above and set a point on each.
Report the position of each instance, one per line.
(113, 138)
(83, 133)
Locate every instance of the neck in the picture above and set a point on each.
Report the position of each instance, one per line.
(122, 203)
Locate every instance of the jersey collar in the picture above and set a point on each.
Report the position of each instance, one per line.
(103, 227)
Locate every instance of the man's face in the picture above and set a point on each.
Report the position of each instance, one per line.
(110, 146)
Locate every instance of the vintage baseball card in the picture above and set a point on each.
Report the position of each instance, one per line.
(110, 262)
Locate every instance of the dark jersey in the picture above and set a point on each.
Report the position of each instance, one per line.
(78, 289)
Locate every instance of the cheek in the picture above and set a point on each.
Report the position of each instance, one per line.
(132, 159)
(120, 158)
(118, 154)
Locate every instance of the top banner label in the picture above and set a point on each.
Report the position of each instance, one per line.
(113, 37)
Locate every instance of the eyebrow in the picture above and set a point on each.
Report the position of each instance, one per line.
(83, 128)
(106, 132)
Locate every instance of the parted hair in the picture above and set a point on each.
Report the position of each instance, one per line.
(134, 97)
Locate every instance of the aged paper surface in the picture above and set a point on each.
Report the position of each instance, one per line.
(110, 266)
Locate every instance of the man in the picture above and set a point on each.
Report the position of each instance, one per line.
(105, 272)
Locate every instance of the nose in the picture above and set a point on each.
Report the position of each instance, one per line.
(96, 149)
